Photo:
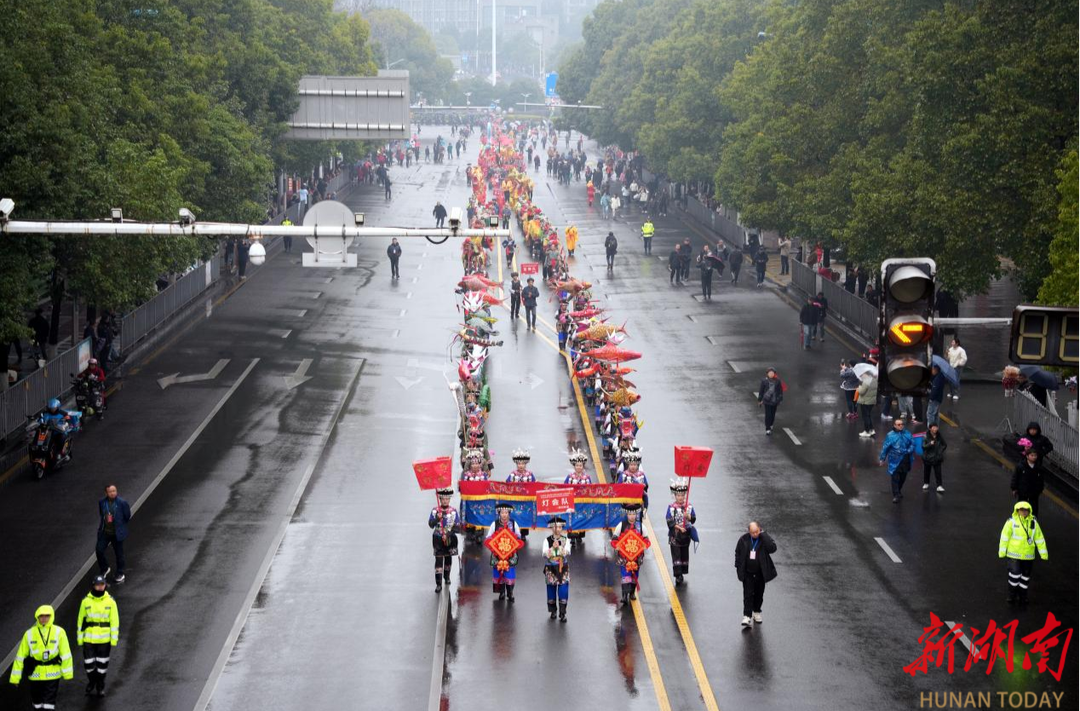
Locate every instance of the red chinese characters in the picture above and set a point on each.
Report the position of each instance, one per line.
(433, 473)
(692, 461)
(631, 546)
(991, 644)
(554, 501)
(504, 544)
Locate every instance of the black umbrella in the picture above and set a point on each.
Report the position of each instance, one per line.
(1040, 377)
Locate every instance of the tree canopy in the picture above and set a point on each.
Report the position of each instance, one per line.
(932, 128)
(147, 105)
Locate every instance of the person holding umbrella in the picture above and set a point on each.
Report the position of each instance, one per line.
(1037, 381)
(866, 395)
(937, 392)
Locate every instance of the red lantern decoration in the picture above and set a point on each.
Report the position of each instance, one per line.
(434, 473)
(692, 461)
(504, 544)
(631, 546)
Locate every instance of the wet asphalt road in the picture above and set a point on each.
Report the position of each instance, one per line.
(346, 615)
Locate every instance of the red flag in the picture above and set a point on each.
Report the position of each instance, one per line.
(434, 473)
(692, 461)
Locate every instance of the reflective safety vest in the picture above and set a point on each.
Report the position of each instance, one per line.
(99, 620)
(1019, 539)
(45, 650)
(286, 222)
(647, 229)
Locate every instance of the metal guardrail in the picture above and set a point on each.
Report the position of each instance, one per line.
(1065, 438)
(137, 324)
(725, 227)
(29, 395)
(858, 314)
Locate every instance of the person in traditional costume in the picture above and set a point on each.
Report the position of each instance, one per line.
(578, 476)
(633, 473)
(445, 523)
(503, 572)
(629, 569)
(556, 568)
(521, 474)
(680, 521)
(474, 466)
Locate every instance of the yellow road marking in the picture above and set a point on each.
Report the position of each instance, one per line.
(947, 420)
(1009, 466)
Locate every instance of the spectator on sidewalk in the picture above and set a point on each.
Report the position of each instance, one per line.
(114, 515)
(867, 397)
(822, 306)
(934, 447)
(40, 326)
(754, 568)
(242, 257)
(957, 359)
(686, 257)
(861, 278)
(1039, 442)
(937, 394)
(1028, 480)
(896, 452)
(785, 256)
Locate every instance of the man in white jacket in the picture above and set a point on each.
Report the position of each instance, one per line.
(957, 359)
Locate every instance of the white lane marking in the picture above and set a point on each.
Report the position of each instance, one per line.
(415, 279)
(396, 333)
(409, 295)
(310, 294)
(80, 577)
(419, 266)
(832, 485)
(271, 553)
(734, 367)
(209, 307)
(712, 340)
(963, 637)
(438, 661)
(301, 313)
(691, 317)
(791, 435)
(888, 551)
(327, 280)
(280, 332)
(403, 312)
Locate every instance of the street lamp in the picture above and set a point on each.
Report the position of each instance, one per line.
(399, 61)
(467, 95)
(526, 102)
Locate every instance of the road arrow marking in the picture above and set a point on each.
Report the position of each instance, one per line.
(407, 383)
(535, 381)
(177, 379)
(300, 376)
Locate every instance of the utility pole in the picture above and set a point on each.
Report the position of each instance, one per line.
(493, 28)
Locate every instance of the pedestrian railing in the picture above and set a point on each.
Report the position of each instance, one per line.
(29, 395)
(139, 323)
(858, 314)
(725, 227)
(1065, 438)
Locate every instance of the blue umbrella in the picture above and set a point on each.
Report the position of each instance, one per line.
(947, 370)
(1040, 377)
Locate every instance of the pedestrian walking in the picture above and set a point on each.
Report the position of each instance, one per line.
(822, 306)
(937, 394)
(445, 523)
(675, 265)
(40, 327)
(1028, 480)
(242, 248)
(866, 396)
(735, 262)
(906, 405)
(770, 395)
(849, 383)
(611, 246)
(934, 446)
(807, 322)
(896, 453)
(503, 573)
(680, 517)
(647, 232)
(97, 632)
(761, 262)
(785, 256)
(515, 295)
(1039, 442)
(386, 184)
(302, 196)
(957, 357)
(705, 264)
(114, 515)
(393, 252)
(529, 296)
(44, 653)
(440, 214)
(629, 569)
(286, 241)
(1020, 537)
(556, 550)
(686, 257)
(754, 566)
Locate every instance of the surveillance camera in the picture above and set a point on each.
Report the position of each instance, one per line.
(455, 218)
(257, 253)
(358, 218)
(116, 214)
(187, 217)
(493, 221)
(7, 206)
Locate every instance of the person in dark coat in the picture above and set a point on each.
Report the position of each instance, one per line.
(735, 262)
(113, 516)
(675, 265)
(1039, 442)
(686, 254)
(822, 305)
(439, 213)
(394, 253)
(1028, 481)
(754, 566)
(761, 262)
(770, 395)
(705, 263)
(611, 246)
(529, 295)
(807, 321)
(934, 446)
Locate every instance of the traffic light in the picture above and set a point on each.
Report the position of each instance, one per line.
(906, 325)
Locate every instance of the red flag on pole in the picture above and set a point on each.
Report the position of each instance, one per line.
(434, 473)
(692, 461)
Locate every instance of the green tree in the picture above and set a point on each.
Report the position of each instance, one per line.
(399, 38)
(1060, 286)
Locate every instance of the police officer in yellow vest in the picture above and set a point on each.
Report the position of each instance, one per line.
(98, 631)
(1020, 536)
(45, 655)
(647, 232)
(286, 241)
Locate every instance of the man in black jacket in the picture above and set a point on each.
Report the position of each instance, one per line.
(394, 253)
(754, 566)
(1039, 442)
(611, 246)
(440, 214)
(1027, 480)
(807, 320)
